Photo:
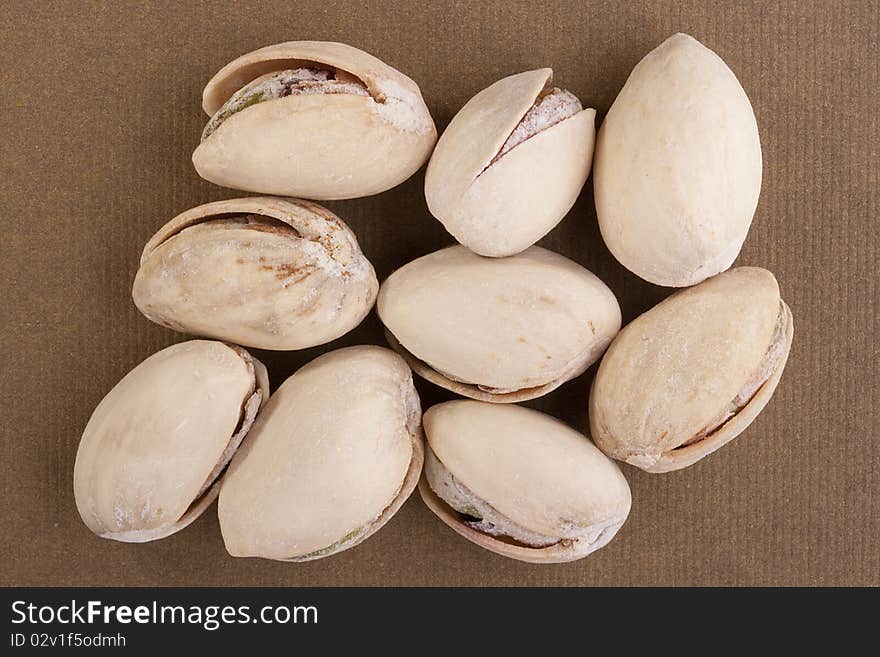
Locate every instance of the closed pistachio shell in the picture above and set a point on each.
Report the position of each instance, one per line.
(510, 164)
(520, 483)
(335, 454)
(692, 373)
(151, 455)
(264, 272)
(678, 166)
(314, 119)
(498, 329)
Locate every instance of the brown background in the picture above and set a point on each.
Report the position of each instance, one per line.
(101, 111)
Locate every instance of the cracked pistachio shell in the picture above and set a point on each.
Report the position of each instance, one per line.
(692, 373)
(151, 455)
(498, 329)
(525, 474)
(678, 166)
(501, 208)
(264, 272)
(332, 458)
(317, 145)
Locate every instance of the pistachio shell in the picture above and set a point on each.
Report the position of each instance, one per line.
(500, 204)
(151, 454)
(520, 483)
(322, 145)
(263, 272)
(498, 329)
(692, 373)
(336, 452)
(678, 166)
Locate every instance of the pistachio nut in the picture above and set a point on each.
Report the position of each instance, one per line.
(332, 458)
(314, 119)
(678, 166)
(152, 454)
(264, 272)
(497, 329)
(691, 374)
(520, 483)
(511, 164)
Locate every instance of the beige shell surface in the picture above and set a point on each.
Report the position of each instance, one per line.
(503, 208)
(671, 371)
(150, 454)
(334, 454)
(296, 280)
(533, 470)
(324, 146)
(498, 329)
(678, 166)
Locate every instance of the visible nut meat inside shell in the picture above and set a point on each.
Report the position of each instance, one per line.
(334, 455)
(500, 330)
(520, 483)
(691, 374)
(263, 272)
(510, 164)
(150, 459)
(549, 108)
(285, 83)
(313, 119)
(678, 166)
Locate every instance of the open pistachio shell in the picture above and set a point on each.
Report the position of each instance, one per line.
(678, 166)
(520, 483)
(336, 453)
(264, 272)
(152, 454)
(313, 119)
(497, 329)
(510, 164)
(692, 373)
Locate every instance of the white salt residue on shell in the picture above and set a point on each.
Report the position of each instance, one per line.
(548, 110)
(402, 108)
(486, 519)
(520, 483)
(510, 164)
(160, 438)
(362, 132)
(692, 373)
(264, 272)
(280, 84)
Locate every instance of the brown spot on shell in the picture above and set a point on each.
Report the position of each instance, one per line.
(290, 273)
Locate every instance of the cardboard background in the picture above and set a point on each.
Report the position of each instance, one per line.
(100, 114)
